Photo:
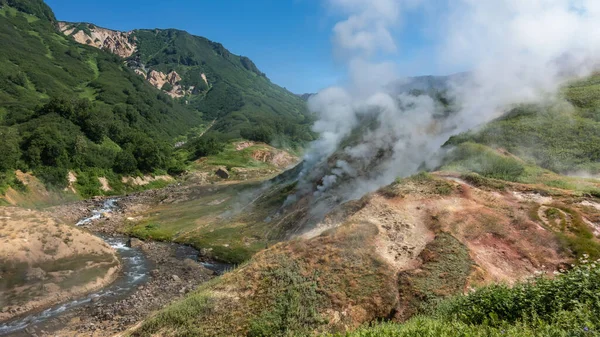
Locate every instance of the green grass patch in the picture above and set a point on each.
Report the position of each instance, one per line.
(470, 157)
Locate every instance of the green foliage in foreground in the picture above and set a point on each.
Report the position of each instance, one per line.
(567, 305)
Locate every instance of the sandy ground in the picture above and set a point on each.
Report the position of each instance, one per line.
(46, 262)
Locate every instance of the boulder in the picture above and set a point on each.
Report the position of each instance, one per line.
(134, 243)
(222, 173)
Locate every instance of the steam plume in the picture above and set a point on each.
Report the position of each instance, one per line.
(518, 52)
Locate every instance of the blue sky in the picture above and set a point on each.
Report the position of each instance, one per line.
(290, 40)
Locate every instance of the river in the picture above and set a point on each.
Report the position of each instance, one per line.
(134, 273)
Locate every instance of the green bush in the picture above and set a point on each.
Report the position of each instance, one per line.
(541, 298)
(207, 146)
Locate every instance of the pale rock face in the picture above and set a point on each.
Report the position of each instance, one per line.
(120, 43)
(113, 41)
(140, 72)
(157, 78)
(173, 78)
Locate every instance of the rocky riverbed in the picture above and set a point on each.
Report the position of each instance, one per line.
(174, 270)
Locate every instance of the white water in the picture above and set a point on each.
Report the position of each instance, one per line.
(108, 206)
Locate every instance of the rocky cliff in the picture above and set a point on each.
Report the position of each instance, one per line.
(116, 42)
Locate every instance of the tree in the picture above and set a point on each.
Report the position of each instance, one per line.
(207, 146)
(9, 149)
(125, 163)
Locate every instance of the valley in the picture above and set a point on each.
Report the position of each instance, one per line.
(154, 183)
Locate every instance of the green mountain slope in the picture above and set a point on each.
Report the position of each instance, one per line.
(68, 106)
(227, 88)
(238, 95)
(556, 136)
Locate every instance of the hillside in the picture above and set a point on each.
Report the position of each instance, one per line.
(488, 215)
(72, 103)
(561, 137)
(67, 106)
(225, 87)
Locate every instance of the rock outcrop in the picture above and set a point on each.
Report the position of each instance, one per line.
(159, 79)
(118, 43)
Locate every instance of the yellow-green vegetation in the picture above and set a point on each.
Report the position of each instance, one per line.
(436, 185)
(444, 272)
(229, 220)
(574, 234)
(565, 305)
(494, 166)
(285, 290)
(245, 161)
(560, 137)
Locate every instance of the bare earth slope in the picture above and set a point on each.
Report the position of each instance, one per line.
(44, 262)
(385, 255)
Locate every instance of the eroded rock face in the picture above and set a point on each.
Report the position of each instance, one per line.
(116, 42)
(159, 79)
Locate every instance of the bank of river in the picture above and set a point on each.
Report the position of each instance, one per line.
(153, 274)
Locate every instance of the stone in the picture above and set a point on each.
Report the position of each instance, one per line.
(176, 278)
(222, 173)
(134, 243)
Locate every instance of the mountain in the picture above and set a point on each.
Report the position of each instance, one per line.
(102, 103)
(428, 83)
(496, 211)
(68, 106)
(225, 87)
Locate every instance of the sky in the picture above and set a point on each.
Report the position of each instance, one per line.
(289, 40)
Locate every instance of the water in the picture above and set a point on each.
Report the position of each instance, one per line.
(135, 272)
(107, 207)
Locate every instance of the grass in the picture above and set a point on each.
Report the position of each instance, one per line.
(483, 166)
(553, 136)
(444, 272)
(211, 219)
(427, 182)
(470, 157)
(566, 305)
(574, 235)
(283, 291)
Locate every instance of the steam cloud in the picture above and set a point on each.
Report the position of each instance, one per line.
(518, 52)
